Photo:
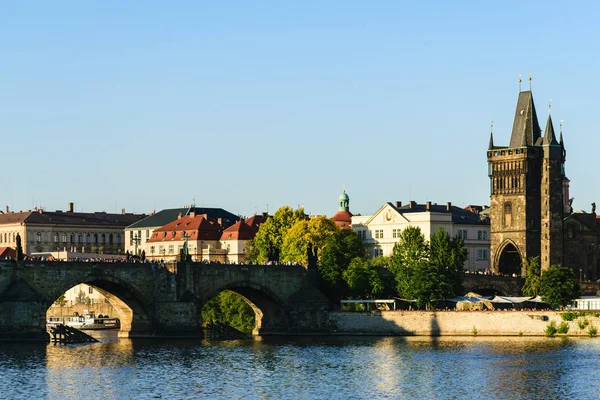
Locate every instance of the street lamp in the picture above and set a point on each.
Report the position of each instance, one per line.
(580, 272)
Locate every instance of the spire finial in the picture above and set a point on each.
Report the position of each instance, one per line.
(520, 80)
(561, 121)
(492, 127)
(529, 79)
(549, 106)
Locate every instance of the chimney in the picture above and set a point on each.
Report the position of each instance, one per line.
(448, 206)
(412, 204)
(70, 207)
(220, 221)
(123, 211)
(398, 204)
(192, 214)
(7, 211)
(39, 211)
(428, 206)
(179, 216)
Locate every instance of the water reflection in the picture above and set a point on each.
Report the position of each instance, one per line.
(328, 367)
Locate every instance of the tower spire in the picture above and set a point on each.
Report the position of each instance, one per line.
(491, 146)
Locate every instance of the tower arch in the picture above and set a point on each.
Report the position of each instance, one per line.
(509, 259)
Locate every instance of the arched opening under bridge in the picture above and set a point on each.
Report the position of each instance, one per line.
(94, 302)
(249, 308)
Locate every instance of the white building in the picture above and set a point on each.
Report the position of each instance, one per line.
(380, 231)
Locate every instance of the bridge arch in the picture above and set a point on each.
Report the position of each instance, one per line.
(267, 306)
(509, 259)
(133, 309)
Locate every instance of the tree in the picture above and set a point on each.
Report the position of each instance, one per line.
(340, 249)
(229, 308)
(362, 279)
(559, 286)
(251, 252)
(427, 272)
(447, 256)
(19, 248)
(269, 237)
(532, 277)
(408, 263)
(314, 231)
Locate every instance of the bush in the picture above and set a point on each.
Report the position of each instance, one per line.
(550, 329)
(597, 315)
(568, 316)
(583, 324)
(520, 333)
(592, 331)
(563, 328)
(474, 331)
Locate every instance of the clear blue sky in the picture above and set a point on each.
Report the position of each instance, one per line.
(148, 105)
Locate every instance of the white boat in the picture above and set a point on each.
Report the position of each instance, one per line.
(87, 321)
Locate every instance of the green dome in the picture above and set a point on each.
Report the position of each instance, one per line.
(344, 196)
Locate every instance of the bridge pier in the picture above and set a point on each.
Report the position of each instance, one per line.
(23, 321)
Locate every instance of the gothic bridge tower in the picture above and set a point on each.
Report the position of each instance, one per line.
(526, 200)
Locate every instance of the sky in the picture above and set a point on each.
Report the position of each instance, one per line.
(249, 106)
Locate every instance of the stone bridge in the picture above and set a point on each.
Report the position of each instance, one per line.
(489, 285)
(155, 301)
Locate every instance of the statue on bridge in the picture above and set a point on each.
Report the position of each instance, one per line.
(272, 253)
(19, 248)
(311, 257)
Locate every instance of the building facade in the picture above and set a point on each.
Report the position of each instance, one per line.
(380, 231)
(138, 234)
(234, 240)
(55, 231)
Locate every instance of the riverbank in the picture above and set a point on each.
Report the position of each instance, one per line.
(455, 323)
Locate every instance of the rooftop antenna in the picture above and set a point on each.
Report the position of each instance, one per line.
(267, 208)
(529, 79)
(520, 80)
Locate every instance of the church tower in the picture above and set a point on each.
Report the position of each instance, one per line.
(526, 200)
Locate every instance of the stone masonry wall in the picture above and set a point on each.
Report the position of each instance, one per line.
(408, 323)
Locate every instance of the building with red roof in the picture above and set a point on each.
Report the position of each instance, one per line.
(234, 239)
(200, 233)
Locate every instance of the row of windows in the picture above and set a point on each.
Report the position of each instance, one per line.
(7, 237)
(95, 238)
(461, 234)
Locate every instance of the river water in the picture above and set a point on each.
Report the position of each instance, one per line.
(305, 368)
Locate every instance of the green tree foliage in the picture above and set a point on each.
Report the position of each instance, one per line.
(229, 308)
(61, 301)
(362, 279)
(273, 230)
(409, 260)
(427, 272)
(381, 262)
(532, 277)
(340, 249)
(251, 254)
(448, 256)
(314, 231)
(559, 286)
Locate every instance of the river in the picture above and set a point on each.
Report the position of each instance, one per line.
(305, 368)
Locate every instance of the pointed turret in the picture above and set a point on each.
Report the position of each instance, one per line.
(491, 147)
(549, 135)
(526, 129)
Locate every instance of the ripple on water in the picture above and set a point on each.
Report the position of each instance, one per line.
(343, 367)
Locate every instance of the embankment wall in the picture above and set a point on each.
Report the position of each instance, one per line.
(486, 323)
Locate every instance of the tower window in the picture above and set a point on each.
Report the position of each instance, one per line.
(507, 214)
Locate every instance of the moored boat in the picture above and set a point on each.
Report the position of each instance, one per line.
(87, 321)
